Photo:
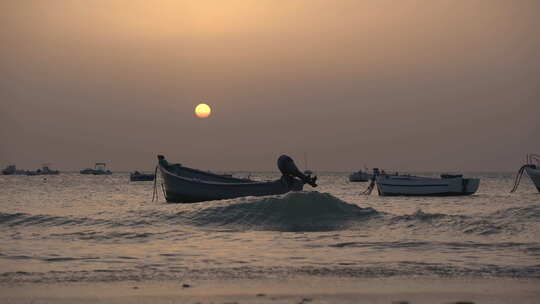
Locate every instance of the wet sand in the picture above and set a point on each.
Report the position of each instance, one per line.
(299, 290)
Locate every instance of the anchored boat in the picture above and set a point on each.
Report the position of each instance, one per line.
(12, 170)
(99, 169)
(409, 185)
(191, 185)
(360, 176)
(45, 170)
(406, 185)
(532, 169)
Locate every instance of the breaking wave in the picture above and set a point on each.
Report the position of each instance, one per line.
(295, 211)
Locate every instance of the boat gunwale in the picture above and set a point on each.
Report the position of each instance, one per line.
(202, 181)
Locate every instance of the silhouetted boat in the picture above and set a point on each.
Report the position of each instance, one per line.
(189, 186)
(532, 169)
(45, 170)
(12, 170)
(360, 176)
(141, 177)
(407, 185)
(32, 173)
(99, 169)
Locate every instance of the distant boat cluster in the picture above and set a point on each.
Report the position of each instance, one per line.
(181, 184)
(99, 169)
(44, 170)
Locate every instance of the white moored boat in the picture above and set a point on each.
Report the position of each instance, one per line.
(406, 185)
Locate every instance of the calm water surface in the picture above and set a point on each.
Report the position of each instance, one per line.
(82, 228)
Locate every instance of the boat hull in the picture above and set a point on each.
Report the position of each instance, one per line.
(534, 174)
(180, 189)
(421, 186)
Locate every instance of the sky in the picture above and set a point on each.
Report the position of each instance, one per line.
(405, 85)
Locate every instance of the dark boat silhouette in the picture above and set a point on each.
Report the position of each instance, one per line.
(12, 170)
(99, 169)
(187, 185)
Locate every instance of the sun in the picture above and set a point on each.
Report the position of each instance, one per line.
(203, 110)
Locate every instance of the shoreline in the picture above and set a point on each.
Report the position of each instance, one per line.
(297, 290)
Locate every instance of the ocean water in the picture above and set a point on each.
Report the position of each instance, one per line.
(79, 228)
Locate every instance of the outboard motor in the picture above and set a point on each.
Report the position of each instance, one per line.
(288, 168)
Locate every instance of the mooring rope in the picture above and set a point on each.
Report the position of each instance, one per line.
(155, 192)
(163, 189)
(370, 187)
(518, 178)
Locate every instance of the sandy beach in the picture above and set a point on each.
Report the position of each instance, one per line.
(300, 290)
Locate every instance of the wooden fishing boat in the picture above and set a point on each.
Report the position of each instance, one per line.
(407, 185)
(181, 188)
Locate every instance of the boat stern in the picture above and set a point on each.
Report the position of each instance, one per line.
(470, 185)
(534, 174)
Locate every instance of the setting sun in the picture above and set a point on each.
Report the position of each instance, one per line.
(203, 110)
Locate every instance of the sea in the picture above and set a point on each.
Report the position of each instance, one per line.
(83, 228)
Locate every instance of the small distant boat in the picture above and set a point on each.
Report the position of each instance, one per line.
(360, 176)
(532, 169)
(186, 185)
(45, 170)
(12, 170)
(33, 173)
(407, 185)
(99, 169)
(141, 177)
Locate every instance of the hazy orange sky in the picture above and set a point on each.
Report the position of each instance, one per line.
(408, 85)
